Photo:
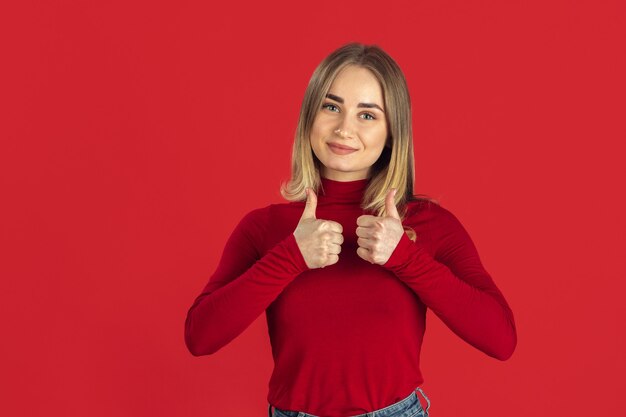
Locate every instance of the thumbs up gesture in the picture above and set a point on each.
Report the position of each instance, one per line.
(379, 236)
(319, 240)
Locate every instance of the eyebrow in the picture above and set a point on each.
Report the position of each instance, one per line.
(366, 105)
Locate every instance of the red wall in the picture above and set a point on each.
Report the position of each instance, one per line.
(135, 135)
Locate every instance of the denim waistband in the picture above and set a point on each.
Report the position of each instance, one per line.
(390, 410)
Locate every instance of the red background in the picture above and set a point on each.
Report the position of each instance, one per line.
(135, 135)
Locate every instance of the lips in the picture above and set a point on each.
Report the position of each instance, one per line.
(338, 146)
(340, 149)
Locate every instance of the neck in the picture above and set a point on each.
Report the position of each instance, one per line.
(342, 191)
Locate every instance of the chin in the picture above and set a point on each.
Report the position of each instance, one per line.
(342, 167)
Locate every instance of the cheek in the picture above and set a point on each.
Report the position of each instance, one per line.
(314, 143)
(316, 137)
(376, 138)
(317, 129)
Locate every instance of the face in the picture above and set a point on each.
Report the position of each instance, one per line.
(350, 128)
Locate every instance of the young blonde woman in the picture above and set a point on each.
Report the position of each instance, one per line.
(346, 270)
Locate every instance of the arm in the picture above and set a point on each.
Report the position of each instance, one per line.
(456, 287)
(242, 287)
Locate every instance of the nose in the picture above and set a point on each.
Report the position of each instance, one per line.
(341, 132)
(344, 130)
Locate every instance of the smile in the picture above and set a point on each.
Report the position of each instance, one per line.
(339, 150)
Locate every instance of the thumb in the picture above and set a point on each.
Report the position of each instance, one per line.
(390, 204)
(311, 205)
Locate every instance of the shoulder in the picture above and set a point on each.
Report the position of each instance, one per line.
(266, 226)
(259, 219)
(439, 221)
(450, 238)
(257, 214)
(255, 220)
(250, 230)
(428, 209)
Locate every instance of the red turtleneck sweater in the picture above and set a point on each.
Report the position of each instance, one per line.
(346, 338)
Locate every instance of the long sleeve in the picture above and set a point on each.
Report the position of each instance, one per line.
(242, 287)
(456, 287)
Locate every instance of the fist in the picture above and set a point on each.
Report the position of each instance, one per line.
(319, 240)
(379, 236)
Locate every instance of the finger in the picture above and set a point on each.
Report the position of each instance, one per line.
(311, 205)
(337, 239)
(363, 254)
(390, 204)
(366, 220)
(365, 232)
(333, 259)
(334, 226)
(365, 243)
(334, 248)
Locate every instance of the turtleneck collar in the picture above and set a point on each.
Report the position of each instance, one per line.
(342, 191)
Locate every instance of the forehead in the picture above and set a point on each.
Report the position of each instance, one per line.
(356, 83)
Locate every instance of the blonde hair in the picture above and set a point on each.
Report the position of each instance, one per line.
(395, 167)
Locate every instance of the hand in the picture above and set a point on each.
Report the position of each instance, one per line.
(379, 236)
(319, 240)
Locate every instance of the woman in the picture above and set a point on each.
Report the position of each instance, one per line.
(346, 270)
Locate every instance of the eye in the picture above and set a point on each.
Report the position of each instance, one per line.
(330, 107)
(369, 116)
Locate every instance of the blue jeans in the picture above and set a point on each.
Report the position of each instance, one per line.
(409, 407)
